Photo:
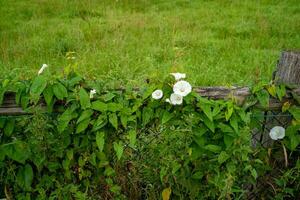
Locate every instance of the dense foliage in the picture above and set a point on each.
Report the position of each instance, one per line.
(123, 144)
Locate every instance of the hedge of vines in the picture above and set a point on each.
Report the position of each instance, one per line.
(123, 144)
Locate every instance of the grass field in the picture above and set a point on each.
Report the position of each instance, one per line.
(128, 41)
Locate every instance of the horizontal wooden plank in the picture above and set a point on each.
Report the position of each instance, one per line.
(12, 111)
(9, 106)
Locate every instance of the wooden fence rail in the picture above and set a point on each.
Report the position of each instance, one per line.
(287, 71)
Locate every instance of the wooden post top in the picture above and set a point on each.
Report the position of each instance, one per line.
(288, 68)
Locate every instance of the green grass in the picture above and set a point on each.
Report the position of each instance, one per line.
(128, 41)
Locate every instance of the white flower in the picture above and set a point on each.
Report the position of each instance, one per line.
(157, 94)
(277, 132)
(182, 88)
(176, 99)
(44, 66)
(92, 92)
(178, 76)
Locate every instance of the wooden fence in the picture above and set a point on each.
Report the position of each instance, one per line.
(287, 72)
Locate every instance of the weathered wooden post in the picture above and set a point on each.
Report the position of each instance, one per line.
(288, 73)
(288, 68)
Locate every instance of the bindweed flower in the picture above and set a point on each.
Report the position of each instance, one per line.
(176, 99)
(44, 66)
(277, 132)
(92, 92)
(182, 88)
(178, 76)
(157, 94)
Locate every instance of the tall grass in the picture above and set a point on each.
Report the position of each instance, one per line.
(128, 41)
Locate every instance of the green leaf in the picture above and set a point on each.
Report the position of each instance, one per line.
(132, 138)
(295, 111)
(24, 101)
(216, 110)
(84, 99)
(146, 115)
(210, 124)
(115, 189)
(109, 171)
(25, 177)
(223, 156)
(100, 140)
(5, 83)
(118, 147)
(60, 91)
(234, 123)
(293, 136)
(263, 98)
(245, 116)
(70, 154)
(48, 95)
(28, 176)
(166, 117)
(253, 173)
(38, 86)
(206, 109)
(114, 107)
(225, 128)
(17, 151)
(82, 126)
(108, 96)
(74, 80)
(85, 115)
(147, 91)
(294, 142)
(99, 106)
(66, 117)
(228, 140)
(229, 111)
(175, 167)
(198, 175)
(281, 91)
(93, 160)
(99, 123)
(213, 148)
(200, 140)
(124, 120)
(113, 119)
(9, 127)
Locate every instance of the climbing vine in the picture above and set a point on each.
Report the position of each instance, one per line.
(161, 141)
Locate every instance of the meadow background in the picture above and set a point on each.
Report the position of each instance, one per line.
(128, 41)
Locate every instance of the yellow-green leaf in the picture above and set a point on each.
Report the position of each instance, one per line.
(285, 106)
(166, 193)
(272, 90)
